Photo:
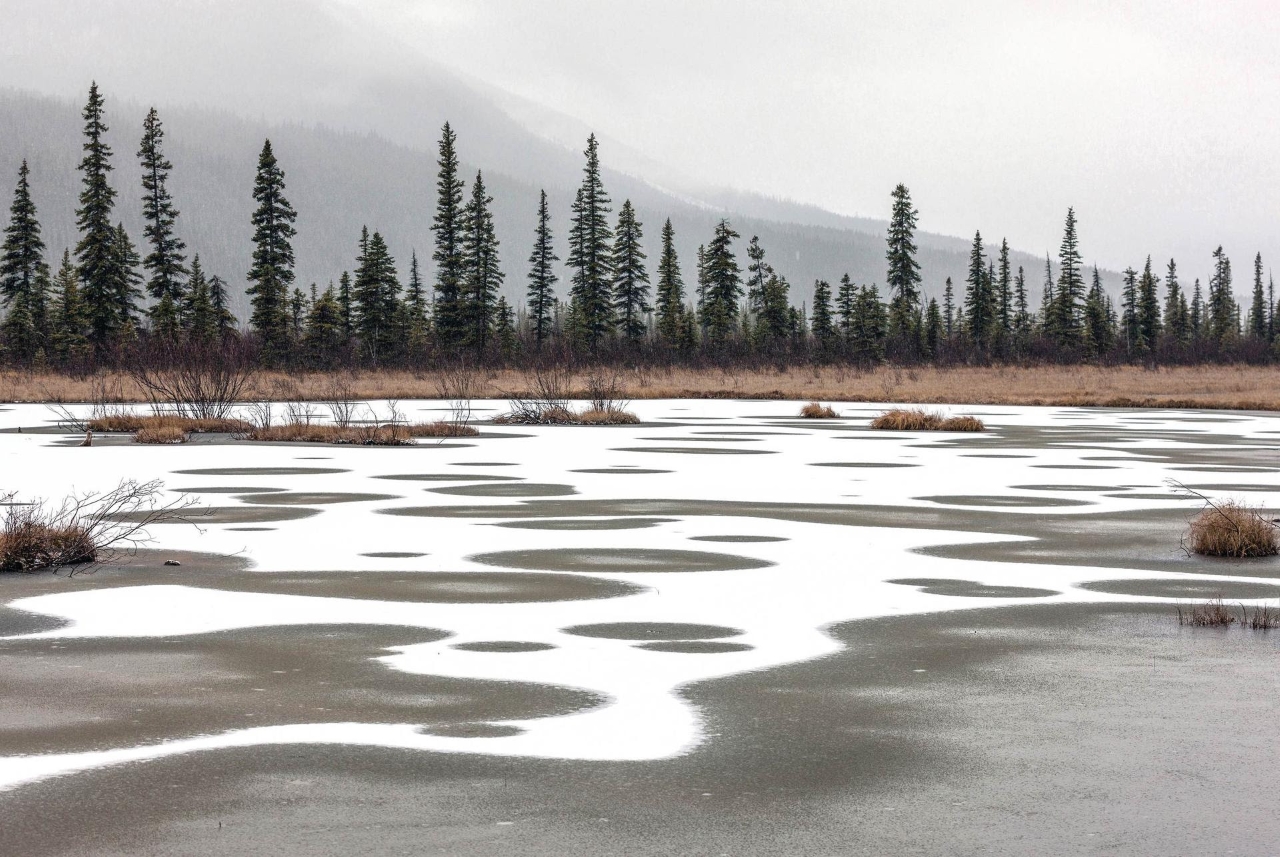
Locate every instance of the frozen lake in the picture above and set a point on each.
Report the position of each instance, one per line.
(551, 599)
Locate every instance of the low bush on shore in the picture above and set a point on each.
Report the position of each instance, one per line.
(387, 434)
(918, 419)
(161, 434)
(1232, 529)
(818, 411)
(559, 415)
(126, 422)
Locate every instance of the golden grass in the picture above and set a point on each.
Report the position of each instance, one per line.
(918, 419)
(27, 545)
(160, 434)
(1211, 614)
(818, 411)
(607, 417)
(557, 415)
(1234, 530)
(1231, 387)
(122, 422)
(363, 435)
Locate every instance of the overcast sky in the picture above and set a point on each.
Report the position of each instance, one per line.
(1159, 122)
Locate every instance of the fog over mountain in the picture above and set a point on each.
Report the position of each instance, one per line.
(354, 114)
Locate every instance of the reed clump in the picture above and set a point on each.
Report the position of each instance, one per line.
(918, 419)
(818, 411)
(387, 434)
(1215, 614)
(1231, 529)
(126, 422)
(161, 434)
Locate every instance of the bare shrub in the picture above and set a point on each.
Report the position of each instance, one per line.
(612, 417)
(204, 382)
(965, 423)
(340, 399)
(389, 434)
(818, 411)
(85, 528)
(129, 422)
(458, 385)
(161, 435)
(1232, 529)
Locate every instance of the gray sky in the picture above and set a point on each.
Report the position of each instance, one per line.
(1157, 121)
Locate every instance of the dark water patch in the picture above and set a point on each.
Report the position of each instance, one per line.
(1230, 487)
(313, 498)
(262, 471)
(694, 450)
(14, 621)
(252, 529)
(574, 524)
(619, 560)
(750, 434)
(695, 647)
(1152, 496)
(508, 489)
(691, 439)
(971, 589)
(652, 631)
(1198, 589)
(499, 646)
(223, 489)
(739, 539)
(116, 692)
(868, 464)
(482, 464)
(203, 515)
(472, 730)
(434, 587)
(621, 471)
(448, 477)
(393, 554)
(1013, 501)
(987, 454)
(1210, 468)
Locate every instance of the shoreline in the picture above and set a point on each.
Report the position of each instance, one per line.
(1252, 388)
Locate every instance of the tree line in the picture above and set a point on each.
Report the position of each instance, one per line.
(106, 302)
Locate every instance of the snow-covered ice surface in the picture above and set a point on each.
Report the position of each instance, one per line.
(1039, 462)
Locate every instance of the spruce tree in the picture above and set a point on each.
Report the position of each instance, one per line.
(223, 317)
(670, 297)
(979, 307)
(872, 326)
(590, 256)
(374, 297)
(324, 335)
(272, 272)
(346, 307)
(846, 301)
(933, 328)
(68, 322)
(1047, 298)
(415, 307)
(482, 273)
(630, 279)
(23, 275)
(1130, 320)
(297, 315)
(1064, 314)
(504, 328)
(1197, 312)
(949, 308)
(1221, 309)
(542, 276)
(758, 271)
(1258, 310)
(822, 323)
(1177, 324)
(723, 285)
(1004, 295)
(1097, 324)
(96, 250)
(1022, 318)
(1149, 306)
(199, 314)
(903, 279)
(126, 289)
(165, 262)
(448, 228)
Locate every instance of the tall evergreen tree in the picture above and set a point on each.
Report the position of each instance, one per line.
(630, 279)
(166, 262)
(1197, 313)
(324, 335)
(346, 307)
(1004, 294)
(1022, 317)
(1130, 320)
(1149, 306)
(96, 250)
(1222, 309)
(23, 274)
(221, 300)
(542, 275)
(846, 301)
(449, 235)
(1063, 322)
(872, 322)
(822, 322)
(1097, 324)
(415, 307)
(272, 272)
(481, 270)
(670, 297)
(903, 279)
(933, 328)
(979, 307)
(374, 297)
(199, 314)
(127, 288)
(504, 328)
(590, 255)
(1258, 310)
(758, 271)
(723, 287)
(68, 324)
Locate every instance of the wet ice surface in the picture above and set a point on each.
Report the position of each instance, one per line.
(770, 577)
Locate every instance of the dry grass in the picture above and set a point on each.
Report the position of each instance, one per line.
(607, 417)
(161, 434)
(818, 411)
(918, 419)
(1232, 387)
(391, 434)
(1232, 529)
(29, 544)
(559, 415)
(126, 422)
(1211, 614)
